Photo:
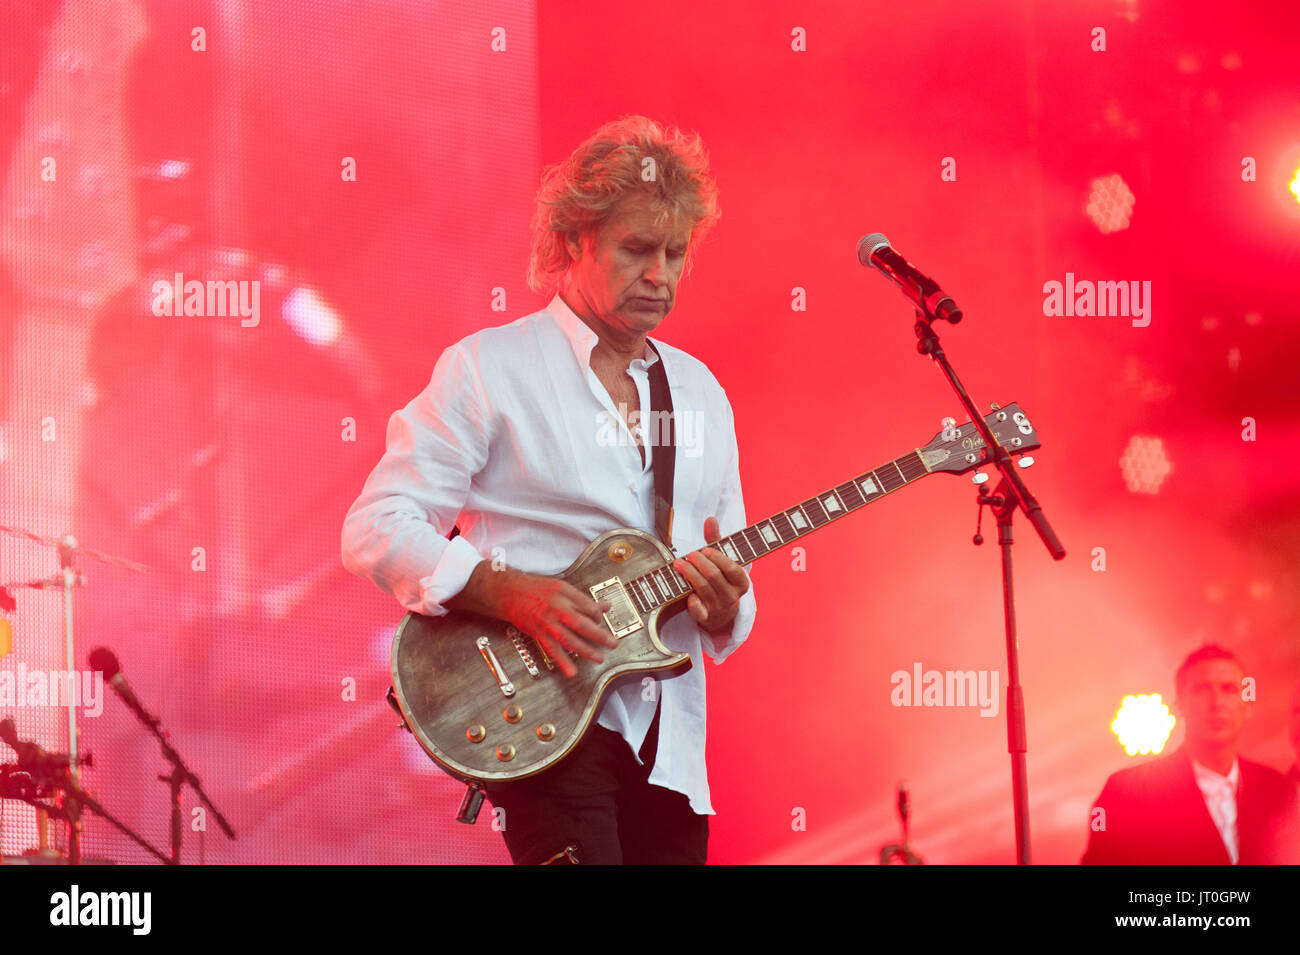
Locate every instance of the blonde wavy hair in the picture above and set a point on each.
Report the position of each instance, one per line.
(580, 193)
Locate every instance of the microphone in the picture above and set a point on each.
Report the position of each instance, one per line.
(104, 660)
(9, 734)
(32, 756)
(924, 292)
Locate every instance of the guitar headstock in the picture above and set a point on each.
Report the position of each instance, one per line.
(960, 448)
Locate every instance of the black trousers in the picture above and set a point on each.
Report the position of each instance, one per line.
(596, 807)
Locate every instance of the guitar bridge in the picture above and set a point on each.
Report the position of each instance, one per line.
(521, 645)
(621, 618)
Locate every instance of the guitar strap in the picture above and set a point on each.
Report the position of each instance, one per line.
(663, 462)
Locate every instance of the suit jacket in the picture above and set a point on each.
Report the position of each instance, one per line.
(1155, 814)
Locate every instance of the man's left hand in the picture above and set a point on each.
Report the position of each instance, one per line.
(718, 581)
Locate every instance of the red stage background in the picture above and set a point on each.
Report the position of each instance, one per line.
(971, 135)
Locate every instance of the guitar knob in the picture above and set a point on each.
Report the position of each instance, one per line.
(546, 731)
(505, 752)
(476, 733)
(513, 713)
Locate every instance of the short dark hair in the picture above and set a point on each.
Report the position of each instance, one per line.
(1207, 651)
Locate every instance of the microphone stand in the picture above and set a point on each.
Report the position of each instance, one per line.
(179, 776)
(900, 851)
(69, 577)
(68, 571)
(1010, 494)
(72, 799)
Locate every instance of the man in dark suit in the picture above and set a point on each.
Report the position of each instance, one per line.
(1202, 804)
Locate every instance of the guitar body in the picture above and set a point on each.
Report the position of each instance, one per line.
(488, 704)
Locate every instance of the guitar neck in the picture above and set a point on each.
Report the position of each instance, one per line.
(665, 586)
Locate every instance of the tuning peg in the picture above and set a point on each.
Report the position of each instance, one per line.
(979, 477)
(1026, 462)
(994, 406)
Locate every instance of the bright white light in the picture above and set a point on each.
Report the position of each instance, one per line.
(311, 316)
(1143, 724)
(173, 169)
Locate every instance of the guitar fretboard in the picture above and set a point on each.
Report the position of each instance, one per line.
(665, 585)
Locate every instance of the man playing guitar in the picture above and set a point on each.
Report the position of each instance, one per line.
(511, 441)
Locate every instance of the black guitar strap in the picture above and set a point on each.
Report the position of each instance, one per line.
(663, 463)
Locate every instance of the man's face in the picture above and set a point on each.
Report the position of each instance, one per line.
(1210, 701)
(626, 273)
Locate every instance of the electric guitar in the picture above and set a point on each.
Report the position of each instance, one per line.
(487, 703)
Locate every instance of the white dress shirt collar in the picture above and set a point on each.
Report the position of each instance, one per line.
(1212, 782)
(580, 335)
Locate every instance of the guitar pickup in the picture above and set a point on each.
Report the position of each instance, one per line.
(621, 618)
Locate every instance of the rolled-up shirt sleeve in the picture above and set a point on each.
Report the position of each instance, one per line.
(395, 533)
(730, 512)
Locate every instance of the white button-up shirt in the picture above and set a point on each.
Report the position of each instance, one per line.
(516, 440)
(1220, 794)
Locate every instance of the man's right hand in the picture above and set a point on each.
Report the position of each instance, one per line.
(554, 612)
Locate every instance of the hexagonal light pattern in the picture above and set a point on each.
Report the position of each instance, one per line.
(1145, 465)
(1110, 203)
